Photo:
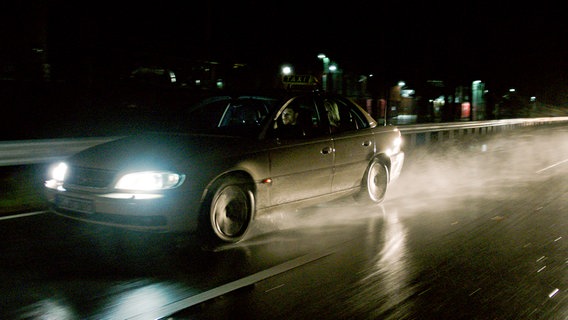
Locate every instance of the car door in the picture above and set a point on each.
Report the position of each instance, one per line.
(353, 142)
(301, 167)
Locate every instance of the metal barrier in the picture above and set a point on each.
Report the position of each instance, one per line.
(46, 150)
(22, 152)
(424, 134)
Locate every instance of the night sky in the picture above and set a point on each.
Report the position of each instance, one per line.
(510, 44)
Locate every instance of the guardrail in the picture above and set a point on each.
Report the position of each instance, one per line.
(23, 152)
(424, 134)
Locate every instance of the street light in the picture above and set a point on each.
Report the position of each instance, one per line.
(331, 77)
(286, 70)
(325, 61)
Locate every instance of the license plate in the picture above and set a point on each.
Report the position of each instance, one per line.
(75, 204)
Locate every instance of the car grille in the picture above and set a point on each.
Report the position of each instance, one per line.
(87, 177)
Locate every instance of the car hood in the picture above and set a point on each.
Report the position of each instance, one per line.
(162, 151)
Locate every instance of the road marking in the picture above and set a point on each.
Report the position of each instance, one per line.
(231, 286)
(554, 292)
(21, 215)
(552, 166)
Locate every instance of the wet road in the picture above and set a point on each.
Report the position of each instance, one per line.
(471, 231)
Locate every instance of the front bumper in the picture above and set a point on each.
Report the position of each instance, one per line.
(140, 212)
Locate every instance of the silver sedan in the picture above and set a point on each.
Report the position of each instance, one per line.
(230, 160)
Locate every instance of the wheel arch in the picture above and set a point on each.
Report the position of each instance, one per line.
(209, 232)
(384, 159)
(373, 188)
(240, 175)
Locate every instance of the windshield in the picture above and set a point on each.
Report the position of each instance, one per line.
(243, 115)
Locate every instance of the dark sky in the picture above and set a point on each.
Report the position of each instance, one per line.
(506, 42)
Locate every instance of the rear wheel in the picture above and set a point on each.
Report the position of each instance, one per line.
(374, 183)
(228, 211)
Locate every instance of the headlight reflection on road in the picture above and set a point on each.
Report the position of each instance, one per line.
(388, 281)
(146, 300)
(49, 308)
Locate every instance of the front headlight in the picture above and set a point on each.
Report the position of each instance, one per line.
(150, 180)
(58, 172)
(57, 175)
(396, 144)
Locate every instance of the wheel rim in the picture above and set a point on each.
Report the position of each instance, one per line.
(231, 212)
(377, 181)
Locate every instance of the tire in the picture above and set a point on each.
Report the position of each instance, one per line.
(374, 183)
(227, 212)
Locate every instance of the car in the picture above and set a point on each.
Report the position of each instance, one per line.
(225, 163)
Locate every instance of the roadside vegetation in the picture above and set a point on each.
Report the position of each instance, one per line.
(22, 189)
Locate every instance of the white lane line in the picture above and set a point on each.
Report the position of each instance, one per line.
(552, 166)
(231, 286)
(21, 215)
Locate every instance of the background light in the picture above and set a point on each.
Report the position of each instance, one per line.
(286, 70)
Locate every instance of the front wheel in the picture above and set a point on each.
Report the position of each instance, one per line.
(374, 183)
(228, 211)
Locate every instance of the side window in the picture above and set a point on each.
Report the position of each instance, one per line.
(244, 112)
(356, 118)
(207, 115)
(332, 112)
(343, 115)
(298, 118)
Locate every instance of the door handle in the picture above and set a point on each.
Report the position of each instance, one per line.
(366, 143)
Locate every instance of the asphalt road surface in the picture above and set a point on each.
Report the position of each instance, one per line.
(469, 231)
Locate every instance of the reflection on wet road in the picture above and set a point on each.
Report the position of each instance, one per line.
(476, 231)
